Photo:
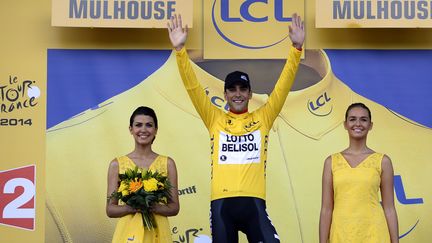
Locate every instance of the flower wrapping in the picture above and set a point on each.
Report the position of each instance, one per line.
(141, 188)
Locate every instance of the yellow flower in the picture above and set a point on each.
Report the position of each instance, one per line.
(150, 185)
(123, 186)
(160, 185)
(125, 193)
(135, 185)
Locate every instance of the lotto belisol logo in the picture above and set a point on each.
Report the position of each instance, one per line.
(17, 193)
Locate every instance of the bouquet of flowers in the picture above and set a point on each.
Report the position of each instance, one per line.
(140, 188)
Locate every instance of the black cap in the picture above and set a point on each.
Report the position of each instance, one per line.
(235, 78)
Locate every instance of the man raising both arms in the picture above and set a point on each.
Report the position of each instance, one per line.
(239, 141)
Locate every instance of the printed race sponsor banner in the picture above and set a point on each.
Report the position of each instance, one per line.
(22, 143)
(239, 29)
(18, 192)
(119, 13)
(373, 14)
(83, 139)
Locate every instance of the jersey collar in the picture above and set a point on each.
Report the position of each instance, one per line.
(318, 109)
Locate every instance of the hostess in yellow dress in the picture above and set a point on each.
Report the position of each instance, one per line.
(130, 227)
(358, 216)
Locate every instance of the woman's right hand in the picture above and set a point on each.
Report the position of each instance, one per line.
(131, 210)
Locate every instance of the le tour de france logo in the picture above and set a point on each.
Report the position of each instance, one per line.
(16, 95)
(251, 24)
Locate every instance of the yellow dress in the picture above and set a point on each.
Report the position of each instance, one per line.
(130, 227)
(358, 216)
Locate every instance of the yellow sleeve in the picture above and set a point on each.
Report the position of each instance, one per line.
(200, 100)
(280, 92)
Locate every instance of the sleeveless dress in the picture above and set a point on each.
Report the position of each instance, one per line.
(358, 216)
(130, 227)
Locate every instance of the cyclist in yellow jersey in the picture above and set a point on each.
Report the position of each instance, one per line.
(143, 126)
(351, 209)
(239, 141)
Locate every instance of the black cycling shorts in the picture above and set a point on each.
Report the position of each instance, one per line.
(245, 214)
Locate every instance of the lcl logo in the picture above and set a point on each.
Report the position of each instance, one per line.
(217, 101)
(401, 197)
(319, 106)
(247, 16)
(228, 13)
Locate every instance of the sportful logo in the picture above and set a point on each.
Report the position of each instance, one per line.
(227, 14)
(18, 192)
(188, 190)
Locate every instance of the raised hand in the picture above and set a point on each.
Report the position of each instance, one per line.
(296, 31)
(177, 33)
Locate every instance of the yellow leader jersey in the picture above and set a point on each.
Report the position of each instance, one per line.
(307, 130)
(238, 141)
